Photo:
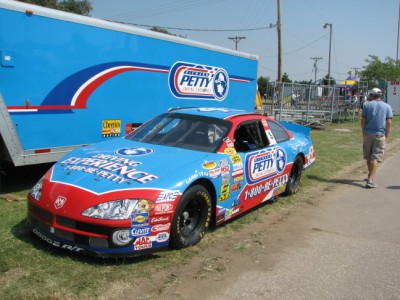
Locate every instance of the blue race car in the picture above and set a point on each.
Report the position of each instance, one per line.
(164, 184)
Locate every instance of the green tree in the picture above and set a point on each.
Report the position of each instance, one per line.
(81, 7)
(377, 70)
(262, 83)
(304, 81)
(328, 80)
(285, 78)
(160, 29)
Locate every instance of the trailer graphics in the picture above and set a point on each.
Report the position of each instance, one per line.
(187, 80)
(67, 81)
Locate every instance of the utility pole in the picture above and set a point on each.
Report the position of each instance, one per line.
(398, 31)
(330, 48)
(355, 71)
(279, 25)
(315, 67)
(237, 39)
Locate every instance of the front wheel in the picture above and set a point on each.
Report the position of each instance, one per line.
(191, 218)
(293, 183)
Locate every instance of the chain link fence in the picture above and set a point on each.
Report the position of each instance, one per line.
(310, 105)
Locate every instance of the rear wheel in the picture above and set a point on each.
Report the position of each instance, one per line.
(295, 176)
(191, 218)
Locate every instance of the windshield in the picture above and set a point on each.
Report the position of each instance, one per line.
(183, 131)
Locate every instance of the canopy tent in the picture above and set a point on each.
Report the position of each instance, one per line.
(348, 82)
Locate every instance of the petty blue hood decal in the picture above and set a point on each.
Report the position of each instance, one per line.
(120, 164)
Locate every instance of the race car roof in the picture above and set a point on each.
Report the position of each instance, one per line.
(220, 113)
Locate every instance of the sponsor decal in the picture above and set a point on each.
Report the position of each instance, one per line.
(230, 151)
(229, 142)
(114, 168)
(236, 202)
(215, 173)
(194, 81)
(236, 159)
(111, 128)
(134, 151)
(209, 165)
(223, 162)
(60, 201)
(226, 179)
(238, 173)
(129, 127)
(141, 243)
(225, 170)
(163, 207)
(265, 164)
(139, 231)
(238, 178)
(236, 186)
(160, 219)
(56, 243)
(262, 188)
(310, 157)
(224, 193)
(162, 237)
(238, 166)
(195, 176)
(168, 196)
(161, 227)
(270, 137)
(140, 219)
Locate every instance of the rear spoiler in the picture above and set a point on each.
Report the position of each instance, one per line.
(296, 127)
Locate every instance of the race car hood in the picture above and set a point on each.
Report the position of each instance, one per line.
(123, 164)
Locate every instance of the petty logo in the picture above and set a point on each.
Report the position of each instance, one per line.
(134, 151)
(265, 164)
(193, 81)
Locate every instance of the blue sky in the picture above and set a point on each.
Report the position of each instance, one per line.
(359, 28)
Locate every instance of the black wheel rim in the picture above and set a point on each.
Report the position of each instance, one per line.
(294, 175)
(190, 219)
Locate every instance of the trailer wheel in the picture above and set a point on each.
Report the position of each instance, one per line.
(191, 218)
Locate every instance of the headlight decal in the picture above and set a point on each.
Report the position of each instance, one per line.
(36, 191)
(118, 209)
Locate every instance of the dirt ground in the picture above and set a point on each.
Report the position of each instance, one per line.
(254, 247)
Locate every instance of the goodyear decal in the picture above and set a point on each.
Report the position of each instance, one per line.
(265, 164)
(194, 81)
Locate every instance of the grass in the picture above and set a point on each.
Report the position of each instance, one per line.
(32, 269)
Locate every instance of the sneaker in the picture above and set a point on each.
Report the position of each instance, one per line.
(371, 184)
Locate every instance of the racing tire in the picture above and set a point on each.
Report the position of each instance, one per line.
(293, 183)
(192, 217)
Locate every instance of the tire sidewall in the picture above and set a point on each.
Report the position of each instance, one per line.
(293, 186)
(195, 193)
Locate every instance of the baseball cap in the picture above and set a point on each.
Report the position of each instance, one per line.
(375, 91)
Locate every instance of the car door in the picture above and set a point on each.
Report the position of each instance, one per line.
(264, 162)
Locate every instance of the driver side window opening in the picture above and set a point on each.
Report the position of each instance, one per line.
(250, 136)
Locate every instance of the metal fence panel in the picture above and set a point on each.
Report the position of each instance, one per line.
(307, 104)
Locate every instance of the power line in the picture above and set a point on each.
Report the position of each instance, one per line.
(196, 29)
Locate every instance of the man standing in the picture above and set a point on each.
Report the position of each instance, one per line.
(375, 123)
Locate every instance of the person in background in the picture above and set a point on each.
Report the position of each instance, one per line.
(375, 124)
